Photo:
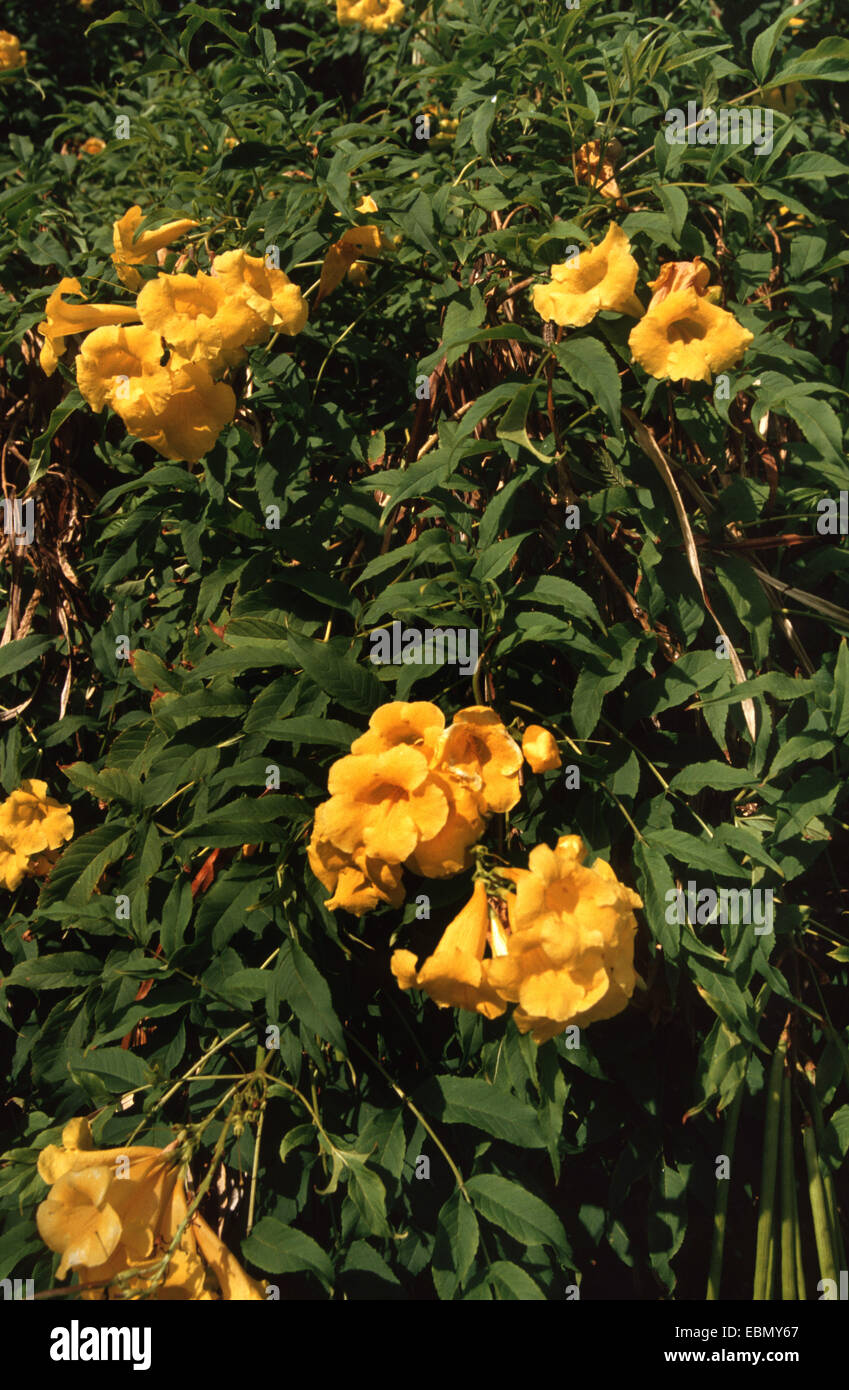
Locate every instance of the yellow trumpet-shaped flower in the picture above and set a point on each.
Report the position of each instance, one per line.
(118, 1211)
(374, 15)
(355, 244)
(480, 754)
(11, 54)
(32, 826)
(276, 304)
(455, 975)
(200, 319)
(384, 805)
(93, 145)
(674, 276)
(603, 277)
(685, 336)
(357, 883)
(132, 250)
(570, 950)
(62, 320)
(539, 749)
(417, 724)
(180, 411)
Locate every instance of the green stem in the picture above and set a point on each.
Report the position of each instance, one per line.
(788, 1225)
(822, 1226)
(723, 1188)
(772, 1117)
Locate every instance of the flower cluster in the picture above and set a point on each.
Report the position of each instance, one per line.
(414, 793)
(682, 334)
(115, 1212)
(375, 15)
(11, 54)
(566, 956)
(33, 827)
(158, 363)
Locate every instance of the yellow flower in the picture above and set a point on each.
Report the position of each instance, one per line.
(11, 53)
(674, 276)
(199, 318)
(478, 752)
(353, 245)
(384, 805)
(132, 250)
(112, 1211)
(603, 277)
(540, 749)
(357, 883)
(374, 15)
(31, 821)
(570, 951)
(14, 865)
(597, 172)
(77, 1220)
(93, 145)
(63, 319)
(418, 724)
(274, 301)
(685, 336)
(179, 411)
(455, 975)
(784, 99)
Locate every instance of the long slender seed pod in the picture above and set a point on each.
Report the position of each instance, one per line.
(729, 1135)
(772, 1118)
(822, 1226)
(800, 1265)
(827, 1180)
(788, 1227)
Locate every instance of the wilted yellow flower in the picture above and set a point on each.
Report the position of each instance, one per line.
(685, 336)
(597, 172)
(480, 754)
(603, 277)
(179, 411)
(116, 1210)
(680, 275)
(784, 99)
(32, 825)
(540, 749)
(570, 950)
(455, 975)
(11, 53)
(132, 250)
(275, 302)
(353, 245)
(93, 145)
(374, 15)
(64, 319)
(199, 318)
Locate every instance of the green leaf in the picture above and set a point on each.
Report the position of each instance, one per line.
(720, 776)
(280, 1249)
(83, 863)
(296, 980)
(591, 367)
(456, 1244)
(510, 1282)
(338, 674)
(119, 1069)
(470, 1101)
(22, 652)
(518, 1212)
(63, 971)
(368, 1195)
